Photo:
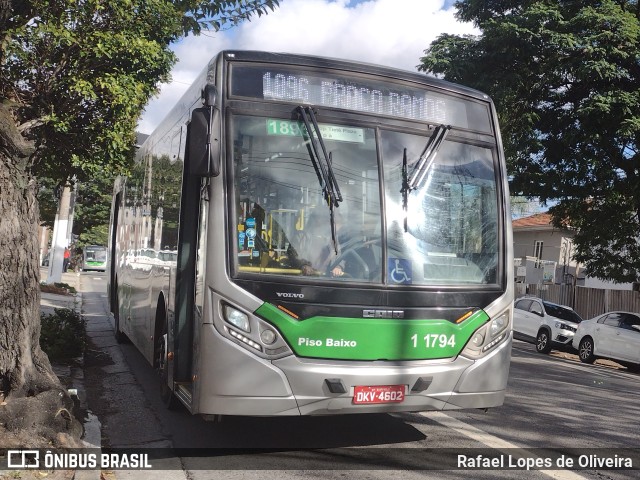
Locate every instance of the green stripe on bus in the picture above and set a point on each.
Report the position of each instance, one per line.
(373, 338)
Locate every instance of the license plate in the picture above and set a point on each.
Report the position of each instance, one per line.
(367, 395)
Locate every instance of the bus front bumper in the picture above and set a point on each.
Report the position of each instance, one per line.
(461, 383)
(236, 382)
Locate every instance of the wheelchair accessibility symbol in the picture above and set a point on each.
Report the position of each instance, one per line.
(399, 270)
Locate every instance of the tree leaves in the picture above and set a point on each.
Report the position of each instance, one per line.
(85, 70)
(564, 77)
(78, 74)
(219, 15)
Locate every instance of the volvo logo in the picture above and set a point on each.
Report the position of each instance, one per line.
(383, 313)
(290, 295)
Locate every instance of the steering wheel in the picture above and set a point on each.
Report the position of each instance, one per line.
(350, 250)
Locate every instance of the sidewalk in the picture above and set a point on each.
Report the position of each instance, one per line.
(49, 301)
(73, 375)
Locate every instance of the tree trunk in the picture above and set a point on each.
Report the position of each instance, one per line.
(37, 411)
(24, 369)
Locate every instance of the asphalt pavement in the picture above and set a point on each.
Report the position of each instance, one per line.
(106, 383)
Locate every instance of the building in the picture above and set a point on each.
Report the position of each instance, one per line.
(544, 253)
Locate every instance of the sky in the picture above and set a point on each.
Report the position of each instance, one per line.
(393, 33)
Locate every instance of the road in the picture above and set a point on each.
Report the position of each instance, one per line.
(553, 402)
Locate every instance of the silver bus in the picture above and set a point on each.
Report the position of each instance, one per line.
(94, 257)
(307, 236)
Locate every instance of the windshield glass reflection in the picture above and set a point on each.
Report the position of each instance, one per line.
(283, 221)
(442, 232)
(445, 230)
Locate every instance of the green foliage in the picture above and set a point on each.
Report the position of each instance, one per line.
(564, 77)
(47, 201)
(222, 14)
(62, 334)
(83, 71)
(95, 235)
(92, 211)
(79, 73)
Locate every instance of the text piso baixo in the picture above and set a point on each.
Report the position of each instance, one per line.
(328, 342)
(429, 341)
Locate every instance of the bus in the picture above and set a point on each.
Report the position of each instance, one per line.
(313, 236)
(94, 257)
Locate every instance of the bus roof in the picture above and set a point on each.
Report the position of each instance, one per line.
(191, 97)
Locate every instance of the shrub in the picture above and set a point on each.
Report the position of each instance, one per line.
(62, 334)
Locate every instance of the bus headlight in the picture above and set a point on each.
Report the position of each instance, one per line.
(498, 324)
(251, 332)
(268, 336)
(236, 318)
(478, 338)
(488, 336)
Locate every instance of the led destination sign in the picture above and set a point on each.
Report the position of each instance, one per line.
(360, 95)
(350, 96)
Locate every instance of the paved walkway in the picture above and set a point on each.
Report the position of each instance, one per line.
(111, 388)
(49, 301)
(73, 375)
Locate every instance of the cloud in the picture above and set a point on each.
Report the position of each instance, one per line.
(387, 32)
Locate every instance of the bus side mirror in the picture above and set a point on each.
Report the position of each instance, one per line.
(204, 142)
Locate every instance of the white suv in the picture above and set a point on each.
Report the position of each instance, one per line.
(546, 324)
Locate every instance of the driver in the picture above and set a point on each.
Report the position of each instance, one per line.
(315, 253)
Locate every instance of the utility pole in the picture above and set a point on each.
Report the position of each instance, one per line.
(72, 204)
(60, 239)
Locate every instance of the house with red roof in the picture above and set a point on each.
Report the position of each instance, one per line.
(543, 253)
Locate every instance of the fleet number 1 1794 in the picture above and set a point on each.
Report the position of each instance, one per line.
(435, 340)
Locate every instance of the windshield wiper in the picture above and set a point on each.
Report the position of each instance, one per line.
(322, 165)
(405, 187)
(428, 156)
(421, 167)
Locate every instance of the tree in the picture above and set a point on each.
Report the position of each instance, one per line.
(92, 211)
(74, 77)
(564, 77)
(524, 207)
(48, 197)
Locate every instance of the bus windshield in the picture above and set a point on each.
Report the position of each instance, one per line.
(442, 232)
(98, 254)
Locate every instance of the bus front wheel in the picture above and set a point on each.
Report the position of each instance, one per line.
(162, 366)
(120, 336)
